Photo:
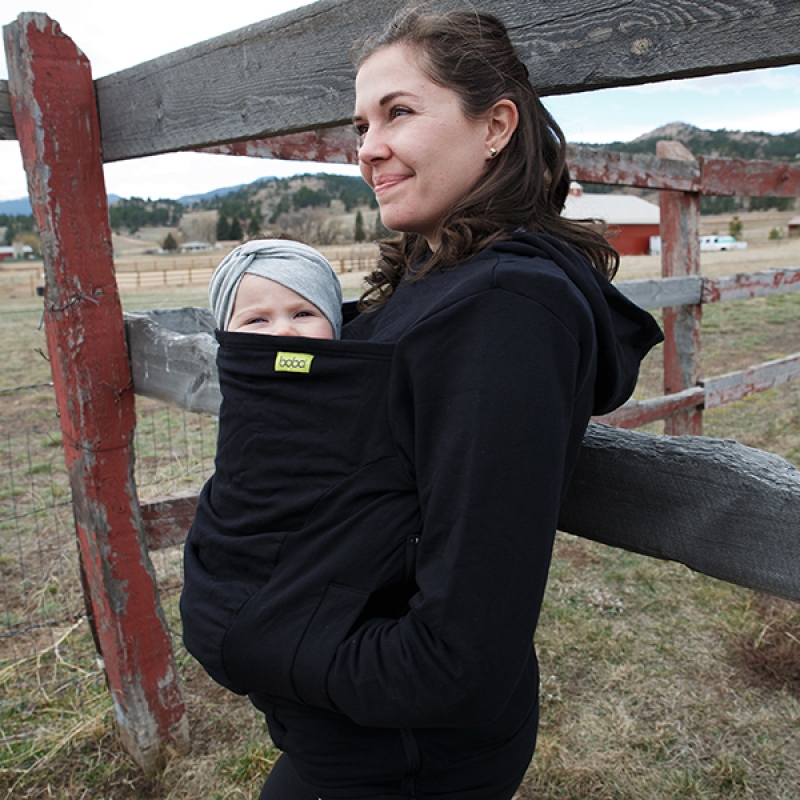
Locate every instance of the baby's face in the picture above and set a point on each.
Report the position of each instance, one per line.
(265, 306)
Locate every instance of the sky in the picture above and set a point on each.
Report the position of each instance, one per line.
(116, 35)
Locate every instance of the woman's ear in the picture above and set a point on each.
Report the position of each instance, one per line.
(502, 118)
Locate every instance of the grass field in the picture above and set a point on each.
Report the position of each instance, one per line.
(657, 682)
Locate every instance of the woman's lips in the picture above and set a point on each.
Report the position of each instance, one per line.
(385, 182)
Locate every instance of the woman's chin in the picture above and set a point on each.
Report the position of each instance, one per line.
(399, 223)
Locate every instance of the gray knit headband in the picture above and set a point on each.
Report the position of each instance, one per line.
(294, 265)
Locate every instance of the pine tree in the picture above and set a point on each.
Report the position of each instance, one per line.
(169, 243)
(223, 228)
(359, 234)
(284, 205)
(254, 226)
(236, 232)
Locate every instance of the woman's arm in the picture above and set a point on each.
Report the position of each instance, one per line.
(490, 401)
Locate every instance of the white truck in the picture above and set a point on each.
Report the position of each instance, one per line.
(713, 243)
(716, 243)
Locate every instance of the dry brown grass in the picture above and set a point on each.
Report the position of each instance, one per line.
(657, 682)
(661, 683)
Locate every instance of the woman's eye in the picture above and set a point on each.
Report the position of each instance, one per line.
(399, 111)
(361, 129)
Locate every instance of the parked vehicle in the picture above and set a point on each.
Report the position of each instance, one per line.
(717, 243)
(707, 243)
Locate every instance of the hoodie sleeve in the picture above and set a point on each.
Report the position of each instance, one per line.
(490, 402)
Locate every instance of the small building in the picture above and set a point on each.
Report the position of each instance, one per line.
(793, 226)
(194, 247)
(631, 221)
(15, 251)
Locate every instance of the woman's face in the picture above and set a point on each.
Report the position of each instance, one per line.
(419, 152)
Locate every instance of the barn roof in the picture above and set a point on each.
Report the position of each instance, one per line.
(614, 209)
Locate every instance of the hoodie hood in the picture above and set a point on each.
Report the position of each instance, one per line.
(625, 332)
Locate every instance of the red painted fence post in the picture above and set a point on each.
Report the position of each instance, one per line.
(680, 256)
(55, 114)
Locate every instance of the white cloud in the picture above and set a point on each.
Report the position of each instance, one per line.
(775, 79)
(763, 100)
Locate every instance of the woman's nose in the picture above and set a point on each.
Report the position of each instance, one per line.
(373, 146)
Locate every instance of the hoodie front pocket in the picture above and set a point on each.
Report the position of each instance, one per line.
(333, 620)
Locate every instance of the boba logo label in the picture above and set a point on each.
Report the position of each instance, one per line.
(293, 362)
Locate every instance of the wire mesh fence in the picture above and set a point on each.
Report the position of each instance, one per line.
(49, 667)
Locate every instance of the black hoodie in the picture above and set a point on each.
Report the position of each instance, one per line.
(369, 559)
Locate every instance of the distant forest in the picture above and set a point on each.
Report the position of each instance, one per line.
(138, 213)
(722, 144)
(244, 203)
(14, 225)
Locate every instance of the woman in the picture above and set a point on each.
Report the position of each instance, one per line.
(391, 649)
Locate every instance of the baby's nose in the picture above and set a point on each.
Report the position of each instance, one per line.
(284, 328)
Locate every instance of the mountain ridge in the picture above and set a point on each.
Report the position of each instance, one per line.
(722, 143)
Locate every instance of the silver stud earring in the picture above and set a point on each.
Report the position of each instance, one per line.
(492, 152)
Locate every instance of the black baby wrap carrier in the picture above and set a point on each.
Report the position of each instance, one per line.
(308, 525)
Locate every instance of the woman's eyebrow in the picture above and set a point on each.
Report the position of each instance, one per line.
(387, 98)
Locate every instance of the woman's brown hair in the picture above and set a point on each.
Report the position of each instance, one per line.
(525, 186)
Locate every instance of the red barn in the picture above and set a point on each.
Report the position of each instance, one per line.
(631, 221)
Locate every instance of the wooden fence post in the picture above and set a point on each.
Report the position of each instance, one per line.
(55, 114)
(680, 256)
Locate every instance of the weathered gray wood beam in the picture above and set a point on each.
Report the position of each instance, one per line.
(718, 507)
(293, 73)
(663, 292)
(173, 357)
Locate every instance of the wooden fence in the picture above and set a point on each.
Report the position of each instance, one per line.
(293, 100)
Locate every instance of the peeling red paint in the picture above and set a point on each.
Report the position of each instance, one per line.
(735, 176)
(330, 145)
(736, 385)
(635, 414)
(54, 109)
(746, 285)
(680, 236)
(167, 519)
(590, 165)
(669, 171)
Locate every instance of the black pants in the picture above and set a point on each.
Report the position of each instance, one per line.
(284, 784)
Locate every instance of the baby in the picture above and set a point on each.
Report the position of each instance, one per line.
(277, 287)
(305, 473)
